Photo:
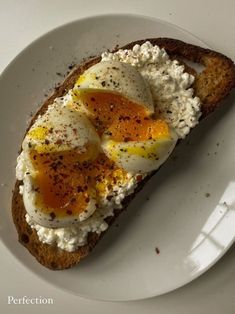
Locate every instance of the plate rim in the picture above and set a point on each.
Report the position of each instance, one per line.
(5, 69)
(90, 17)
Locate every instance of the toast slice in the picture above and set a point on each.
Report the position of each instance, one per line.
(212, 85)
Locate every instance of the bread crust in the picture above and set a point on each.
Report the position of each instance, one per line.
(211, 86)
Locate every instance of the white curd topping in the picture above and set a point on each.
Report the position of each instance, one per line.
(170, 86)
(70, 238)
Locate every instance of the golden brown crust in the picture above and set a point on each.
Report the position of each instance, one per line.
(212, 86)
(48, 255)
(217, 79)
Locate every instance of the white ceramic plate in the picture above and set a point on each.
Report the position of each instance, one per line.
(186, 211)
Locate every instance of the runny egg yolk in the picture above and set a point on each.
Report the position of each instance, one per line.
(67, 180)
(65, 183)
(120, 118)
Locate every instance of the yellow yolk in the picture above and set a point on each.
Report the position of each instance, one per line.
(38, 133)
(119, 117)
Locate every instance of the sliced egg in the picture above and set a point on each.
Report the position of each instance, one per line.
(131, 137)
(60, 129)
(57, 148)
(117, 77)
(66, 214)
(140, 156)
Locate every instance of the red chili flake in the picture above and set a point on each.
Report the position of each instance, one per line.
(139, 177)
(157, 250)
(59, 142)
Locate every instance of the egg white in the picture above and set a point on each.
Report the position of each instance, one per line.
(61, 128)
(140, 156)
(63, 121)
(117, 77)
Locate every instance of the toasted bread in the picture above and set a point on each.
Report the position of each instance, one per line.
(212, 85)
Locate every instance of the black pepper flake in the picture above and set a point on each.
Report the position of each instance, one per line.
(70, 66)
(52, 215)
(79, 189)
(69, 211)
(103, 83)
(109, 197)
(24, 238)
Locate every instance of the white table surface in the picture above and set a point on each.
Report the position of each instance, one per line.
(214, 23)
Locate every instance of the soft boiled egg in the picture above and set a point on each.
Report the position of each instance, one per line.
(58, 149)
(147, 153)
(117, 77)
(76, 150)
(118, 102)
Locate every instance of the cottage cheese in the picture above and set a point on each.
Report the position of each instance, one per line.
(70, 238)
(170, 85)
(173, 99)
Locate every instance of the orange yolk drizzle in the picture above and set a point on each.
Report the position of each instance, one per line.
(121, 118)
(65, 184)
